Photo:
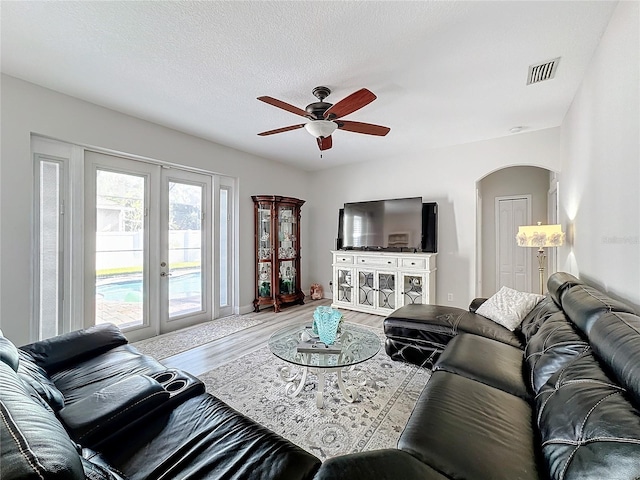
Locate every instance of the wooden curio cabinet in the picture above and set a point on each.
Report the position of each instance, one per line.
(277, 243)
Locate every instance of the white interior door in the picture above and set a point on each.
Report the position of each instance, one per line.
(148, 246)
(513, 263)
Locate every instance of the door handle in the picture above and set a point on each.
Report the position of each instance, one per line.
(165, 274)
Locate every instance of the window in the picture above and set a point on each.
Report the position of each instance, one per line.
(50, 201)
(225, 243)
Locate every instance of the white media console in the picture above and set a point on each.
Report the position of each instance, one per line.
(380, 282)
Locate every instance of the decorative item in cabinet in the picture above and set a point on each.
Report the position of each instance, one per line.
(277, 240)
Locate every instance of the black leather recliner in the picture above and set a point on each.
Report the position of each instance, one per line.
(88, 405)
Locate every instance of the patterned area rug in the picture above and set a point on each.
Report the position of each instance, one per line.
(253, 386)
(169, 344)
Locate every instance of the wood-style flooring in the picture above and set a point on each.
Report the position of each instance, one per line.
(210, 355)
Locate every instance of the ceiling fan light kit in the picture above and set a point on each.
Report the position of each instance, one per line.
(321, 128)
(323, 115)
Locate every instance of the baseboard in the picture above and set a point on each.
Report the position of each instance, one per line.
(245, 309)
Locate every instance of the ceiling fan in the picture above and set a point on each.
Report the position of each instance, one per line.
(325, 118)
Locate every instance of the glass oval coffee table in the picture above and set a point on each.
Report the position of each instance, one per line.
(355, 345)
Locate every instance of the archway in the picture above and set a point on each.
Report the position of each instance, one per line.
(495, 190)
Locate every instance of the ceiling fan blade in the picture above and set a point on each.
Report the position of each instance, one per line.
(366, 128)
(283, 105)
(280, 130)
(324, 143)
(350, 104)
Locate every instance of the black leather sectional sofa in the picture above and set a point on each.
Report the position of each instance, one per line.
(559, 398)
(87, 405)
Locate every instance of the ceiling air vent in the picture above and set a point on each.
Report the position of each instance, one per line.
(542, 71)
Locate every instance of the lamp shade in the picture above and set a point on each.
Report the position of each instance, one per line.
(321, 128)
(540, 236)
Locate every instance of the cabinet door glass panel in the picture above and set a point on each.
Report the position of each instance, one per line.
(264, 239)
(185, 248)
(387, 290)
(287, 234)
(264, 250)
(345, 287)
(412, 289)
(365, 288)
(264, 279)
(287, 277)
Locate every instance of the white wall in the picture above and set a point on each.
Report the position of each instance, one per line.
(600, 180)
(532, 181)
(447, 176)
(596, 150)
(27, 109)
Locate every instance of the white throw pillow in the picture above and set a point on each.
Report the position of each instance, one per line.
(508, 307)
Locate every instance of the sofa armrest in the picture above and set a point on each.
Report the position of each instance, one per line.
(113, 408)
(386, 464)
(59, 352)
(475, 304)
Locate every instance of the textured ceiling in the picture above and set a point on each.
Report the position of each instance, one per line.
(445, 72)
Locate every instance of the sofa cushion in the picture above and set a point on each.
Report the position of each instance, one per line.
(487, 361)
(508, 307)
(584, 305)
(437, 324)
(205, 438)
(93, 471)
(379, 465)
(616, 342)
(558, 284)
(96, 468)
(33, 443)
(9, 353)
(84, 378)
(70, 348)
(554, 345)
(37, 378)
(589, 428)
(95, 418)
(536, 317)
(465, 429)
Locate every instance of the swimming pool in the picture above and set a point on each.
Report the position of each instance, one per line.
(130, 290)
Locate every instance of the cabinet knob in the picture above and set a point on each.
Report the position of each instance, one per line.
(389, 263)
(413, 263)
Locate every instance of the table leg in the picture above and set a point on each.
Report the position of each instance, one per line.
(320, 392)
(293, 386)
(349, 392)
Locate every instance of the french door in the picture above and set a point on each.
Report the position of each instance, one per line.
(148, 250)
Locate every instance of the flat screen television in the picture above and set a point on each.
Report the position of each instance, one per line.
(383, 224)
(429, 224)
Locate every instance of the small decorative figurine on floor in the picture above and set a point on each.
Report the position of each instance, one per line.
(317, 293)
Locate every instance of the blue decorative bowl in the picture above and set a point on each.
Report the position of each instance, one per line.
(326, 322)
